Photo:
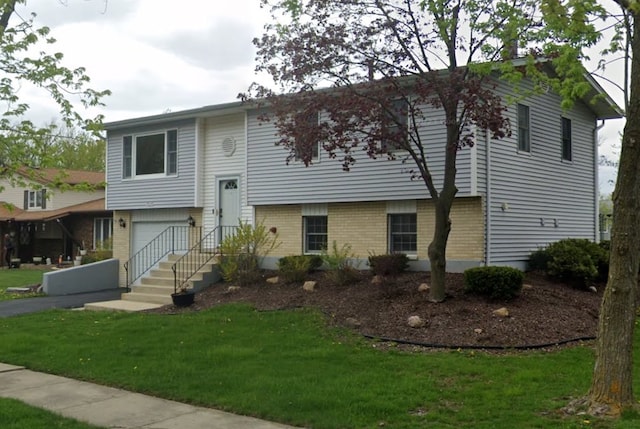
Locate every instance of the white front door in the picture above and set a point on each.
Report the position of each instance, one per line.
(229, 212)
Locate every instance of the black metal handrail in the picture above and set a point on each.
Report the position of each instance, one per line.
(171, 240)
(198, 256)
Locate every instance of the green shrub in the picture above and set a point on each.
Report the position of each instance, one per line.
(97, 255)
(294, 269)
(500, 283)
(538, 260)
(242, 253)
(340, 265)
(577, 261)
(388, 265)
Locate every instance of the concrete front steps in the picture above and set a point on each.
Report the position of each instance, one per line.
(154, 290)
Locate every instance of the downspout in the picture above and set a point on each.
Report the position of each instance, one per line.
(487, 139)
(596, 181)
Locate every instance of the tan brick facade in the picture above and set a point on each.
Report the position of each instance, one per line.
(121, 239)
(364, 226)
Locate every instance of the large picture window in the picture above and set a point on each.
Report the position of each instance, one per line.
(315, 233)
(150, 154)
(403, 233)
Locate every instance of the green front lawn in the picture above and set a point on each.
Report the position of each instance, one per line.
(288, 366)
(21, 277)
(17, 415)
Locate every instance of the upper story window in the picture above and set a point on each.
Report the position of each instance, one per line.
(395, 126)
(35, 199)
(307, 124)
(150, 155)
(524, 135)
(566, 139)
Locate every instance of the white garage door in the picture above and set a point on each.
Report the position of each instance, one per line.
(145, 232)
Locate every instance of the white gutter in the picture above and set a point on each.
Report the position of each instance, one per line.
(596, 180)
(487, 252)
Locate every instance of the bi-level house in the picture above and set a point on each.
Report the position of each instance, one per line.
(214, 165)
(48, 218)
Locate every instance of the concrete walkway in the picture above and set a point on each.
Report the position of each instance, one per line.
(114, 408)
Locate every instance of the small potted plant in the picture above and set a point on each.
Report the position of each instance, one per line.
(82, 249)
(183, 296)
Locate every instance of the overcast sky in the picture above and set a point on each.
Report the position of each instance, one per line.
(167, 55)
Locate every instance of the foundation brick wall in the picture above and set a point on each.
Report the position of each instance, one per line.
(363, 225)
(288, 221)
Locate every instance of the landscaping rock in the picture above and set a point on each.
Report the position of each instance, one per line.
(527, 286)
(352, 322)
(478, 331)
(424, 287)
(273, 280)
(415, 322)
(501, 312)
(593, 289)
(309, 286)
(376, 280)
(233, 289)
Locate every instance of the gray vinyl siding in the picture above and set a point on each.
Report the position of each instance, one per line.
(164, 192)
(529, 189)
(271, 181)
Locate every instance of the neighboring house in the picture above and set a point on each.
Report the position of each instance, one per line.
(218, 164)
(46, 218)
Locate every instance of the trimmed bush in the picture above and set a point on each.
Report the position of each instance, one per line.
(294, 269)
(388, 265)
(574, 260)
(499, 283)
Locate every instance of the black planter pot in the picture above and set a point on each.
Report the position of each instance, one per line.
(183, 299)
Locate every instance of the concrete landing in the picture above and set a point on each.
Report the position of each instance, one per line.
(120, 305)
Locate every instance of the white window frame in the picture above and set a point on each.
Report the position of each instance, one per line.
(170, 155)
(35, 199)
(99, 224)
(524, 128)
(567, 139)
(315, 155)
(399, 105)
(306, 234)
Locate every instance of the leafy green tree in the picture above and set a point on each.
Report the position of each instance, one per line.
(390, 61)
(22, 62)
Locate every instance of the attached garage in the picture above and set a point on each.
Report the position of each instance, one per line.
(148, 224)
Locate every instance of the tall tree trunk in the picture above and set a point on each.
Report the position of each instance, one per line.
(443, 203)
(611, 387)
(438, 247)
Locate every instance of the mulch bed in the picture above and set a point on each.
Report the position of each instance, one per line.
(545, 313)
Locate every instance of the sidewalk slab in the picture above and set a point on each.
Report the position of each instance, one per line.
(115, 408)
(121, 305)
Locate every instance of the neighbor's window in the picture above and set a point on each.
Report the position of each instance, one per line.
(566, 139)
(308, 124)
(403, 233)
(35, 199)
(150, 154)
(395, 126)
(315, 233)
(524, 133)
(102, 232)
